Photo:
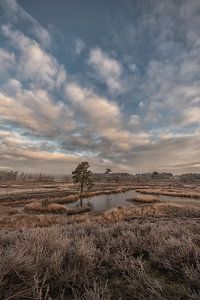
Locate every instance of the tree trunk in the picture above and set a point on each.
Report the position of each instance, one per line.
(82, 183)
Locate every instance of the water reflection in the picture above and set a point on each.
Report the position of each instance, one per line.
(106, 202)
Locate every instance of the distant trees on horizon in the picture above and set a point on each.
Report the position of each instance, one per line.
(6, 176)
(107, 176)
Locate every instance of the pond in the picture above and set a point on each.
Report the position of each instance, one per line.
(106, 202)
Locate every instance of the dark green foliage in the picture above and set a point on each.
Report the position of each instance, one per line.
(108, 171)
(155, 175)
(82, 176)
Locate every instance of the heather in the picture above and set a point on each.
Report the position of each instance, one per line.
(147, 258)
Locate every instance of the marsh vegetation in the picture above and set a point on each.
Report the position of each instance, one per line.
(139, 259)
(107, 248)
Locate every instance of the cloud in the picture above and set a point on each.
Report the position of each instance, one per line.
(34, 64)
(11, 87)
(97, 108)
(133, 68)
(100, 113)
(135, 120)
(104, 117)
(191, 116)
(175, 154)
(108, 69)
(29, 155)
(79, 46)
(15, 13)
(35, 110)
(7, 61)
(139, 112)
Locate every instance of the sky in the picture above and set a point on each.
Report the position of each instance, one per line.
(112, 82)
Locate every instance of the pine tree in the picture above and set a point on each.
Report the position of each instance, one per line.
(82, 176)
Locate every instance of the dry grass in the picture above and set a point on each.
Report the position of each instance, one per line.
(129, 260)
(65, 200)
(54, 208)
(24, 220)
(74, 215)
(144, 199)
(37, 207)
(153, 210)
(170, 192)
(77, 210)
(7, 210)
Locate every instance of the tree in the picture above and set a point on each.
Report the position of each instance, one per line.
(155, 176)
(108, 171)
(82, 176)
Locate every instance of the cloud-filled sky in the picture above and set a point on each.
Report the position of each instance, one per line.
(114, 82)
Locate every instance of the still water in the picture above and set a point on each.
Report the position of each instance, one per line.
(106, 202)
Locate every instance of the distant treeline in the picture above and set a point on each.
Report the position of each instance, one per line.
(6, 176)
(147, 177)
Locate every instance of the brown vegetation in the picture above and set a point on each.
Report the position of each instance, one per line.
(38, 207)
(144, 199)
(77, 210)
(128, 260)
(170, 192)
(54, 208)
(7, 210)
(73, 215)
(29, 195)
(153, 210)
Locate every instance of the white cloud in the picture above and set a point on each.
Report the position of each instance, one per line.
(108, 69)
(104, 117)
(79, 46)
(98, 110)
(36, 111)
(34, 64)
